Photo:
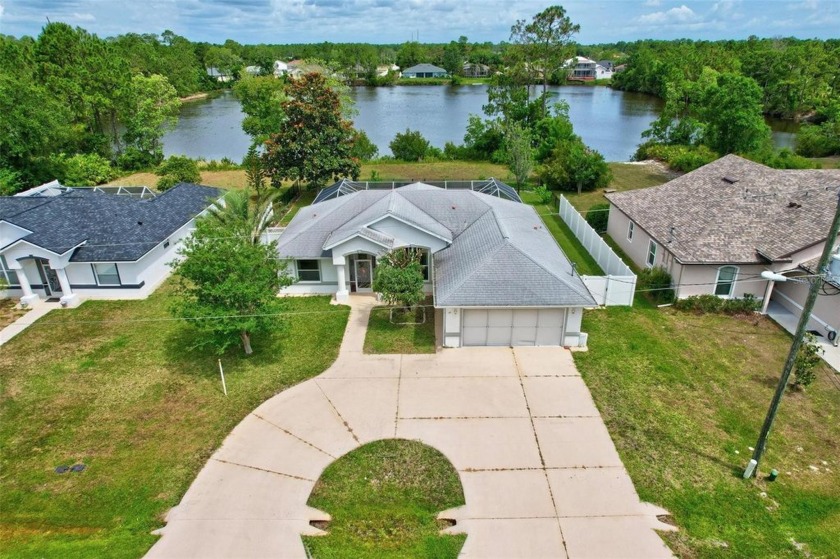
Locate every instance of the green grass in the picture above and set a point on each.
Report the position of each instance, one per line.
(384, 498)
(432, 171)
(385, 337)
(306, 197)
(110, 386)
(626, 176)
(680, 394)
(574, 251)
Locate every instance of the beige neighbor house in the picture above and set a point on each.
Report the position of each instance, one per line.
(717, 228)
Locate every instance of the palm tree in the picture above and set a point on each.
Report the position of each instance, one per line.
(239, 214)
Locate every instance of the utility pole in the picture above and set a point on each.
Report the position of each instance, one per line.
(816, 283)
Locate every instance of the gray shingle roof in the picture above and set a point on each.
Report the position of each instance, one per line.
(424, 68)
(110, 228)
(500, 253)
(735, 211)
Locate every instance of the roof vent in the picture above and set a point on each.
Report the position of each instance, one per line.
(794, 205)
(730, 180)
(139, 223)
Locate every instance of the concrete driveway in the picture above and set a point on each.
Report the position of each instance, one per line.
(540, 473)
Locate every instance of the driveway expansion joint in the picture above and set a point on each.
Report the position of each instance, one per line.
(266, 470)
(304, 441)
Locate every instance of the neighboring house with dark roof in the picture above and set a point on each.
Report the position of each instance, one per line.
(424, 71)
(717, 228)
(102, 242)
(496, 274)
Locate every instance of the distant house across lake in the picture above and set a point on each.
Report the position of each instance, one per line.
(584, 69)
(424, 71)
(476, 70)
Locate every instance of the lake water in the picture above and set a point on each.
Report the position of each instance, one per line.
(608, 120)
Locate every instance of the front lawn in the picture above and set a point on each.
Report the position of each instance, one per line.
(407, 334)
(384, 499)
(684, 397)
(114, 386)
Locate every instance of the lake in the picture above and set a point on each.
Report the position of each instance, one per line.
(608, 120)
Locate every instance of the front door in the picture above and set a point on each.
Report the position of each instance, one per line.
(49, 277)
(364, 276)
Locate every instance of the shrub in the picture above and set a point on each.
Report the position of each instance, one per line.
(656, 284)
(574, 167)
(363, 149)
(544, 195)
(806, 361)
(177, 169)
(133, 159)
(598, 216)
(223, 164)
(86, 169)
(409, 146)
(10, 182)
(712, 304)
(782, 159)
(399, 277)
(678, 157)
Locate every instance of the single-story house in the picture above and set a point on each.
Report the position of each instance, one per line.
(425, 71)
(716, 229)
(581, 68)
(492, 268)
(253, 70)
(101, 242)
(218, 75)
(471, 70)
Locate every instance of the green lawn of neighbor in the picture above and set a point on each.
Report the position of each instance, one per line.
(384, 499)
(684, 397)
(384, 336)
(110, 386)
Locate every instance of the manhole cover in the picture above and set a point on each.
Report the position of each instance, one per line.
(62, 469)
(77, 467)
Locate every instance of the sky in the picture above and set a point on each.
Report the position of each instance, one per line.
(430, 21)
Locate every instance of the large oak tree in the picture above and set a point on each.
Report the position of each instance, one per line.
(315, 142)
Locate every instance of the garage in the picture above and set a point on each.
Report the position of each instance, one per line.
(513, 327)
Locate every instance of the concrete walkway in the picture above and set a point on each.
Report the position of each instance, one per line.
(540, 473)
(39, 309)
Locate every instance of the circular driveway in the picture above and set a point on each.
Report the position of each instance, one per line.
(540, 473)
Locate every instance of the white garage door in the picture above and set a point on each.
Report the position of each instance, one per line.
(513, 327)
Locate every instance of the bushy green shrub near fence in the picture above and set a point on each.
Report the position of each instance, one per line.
(597, 216)
(713, 304)
(655, 283)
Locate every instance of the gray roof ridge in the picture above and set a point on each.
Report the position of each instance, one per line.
(549, 272)
(421, 211)
(477, 267)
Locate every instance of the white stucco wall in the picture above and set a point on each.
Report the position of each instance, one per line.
(826, 309)
(693, 279)
(637, 249)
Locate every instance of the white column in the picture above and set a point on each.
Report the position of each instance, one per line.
(69, 299)
(28, 297)
(342, 294)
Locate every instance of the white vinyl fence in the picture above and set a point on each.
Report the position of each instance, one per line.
(618, 286)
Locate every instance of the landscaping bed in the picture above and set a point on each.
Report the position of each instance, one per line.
(384, 499)
(684, 397)
(8, 312)
(115, 386)
(393, 331)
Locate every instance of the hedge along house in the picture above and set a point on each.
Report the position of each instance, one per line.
(717, 228)
(494, 271)
(103, 242)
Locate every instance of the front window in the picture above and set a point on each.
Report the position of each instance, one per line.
(308, 270)
(424, 263)
(106, 274)
(725, 281)
(651, 256)
(7, 274)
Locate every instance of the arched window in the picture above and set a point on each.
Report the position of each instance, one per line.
(725, 282)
